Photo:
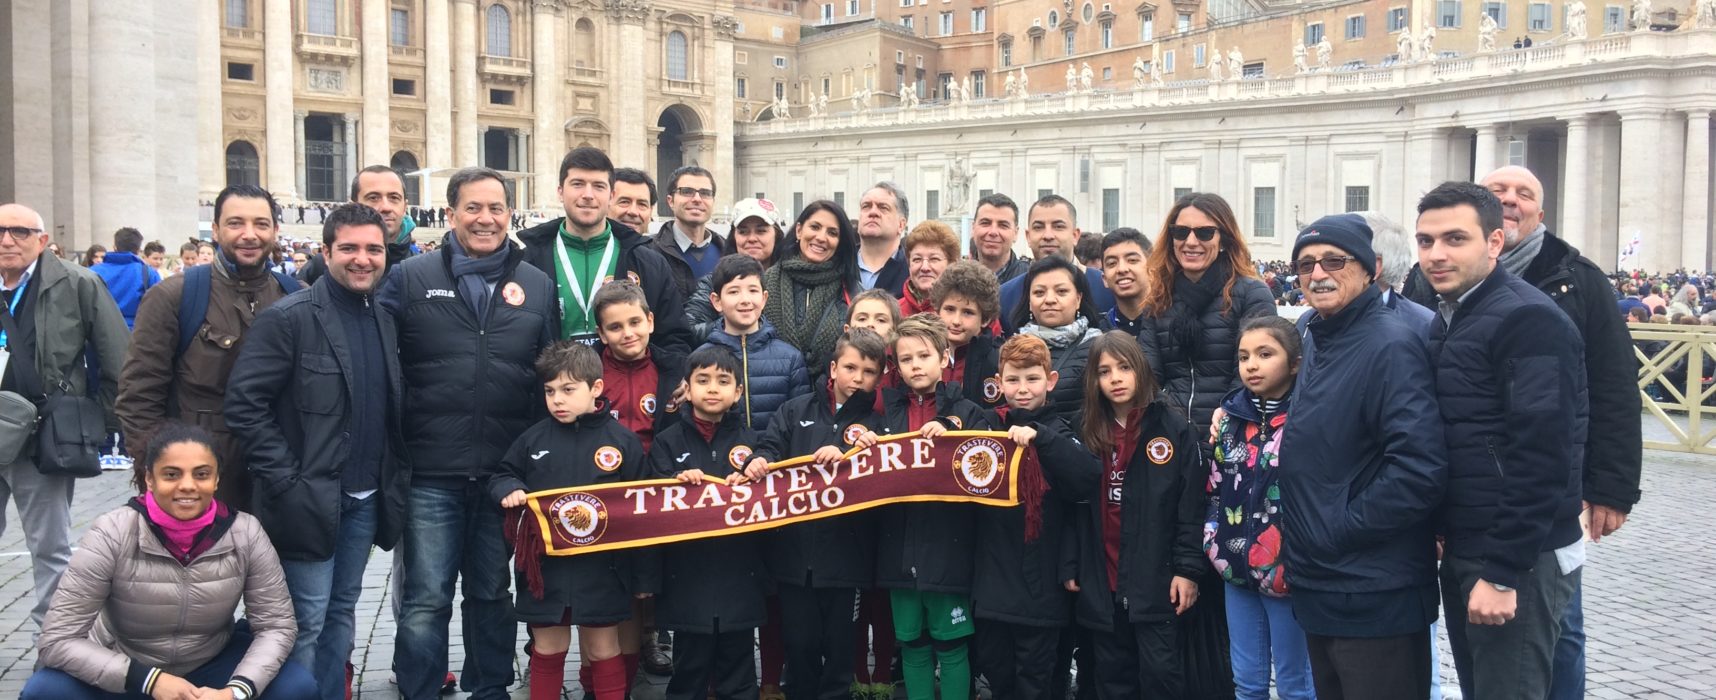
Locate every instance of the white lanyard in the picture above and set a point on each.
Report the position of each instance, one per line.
(572, 275)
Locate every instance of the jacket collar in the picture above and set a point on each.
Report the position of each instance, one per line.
(718, 334)
(1328, 327)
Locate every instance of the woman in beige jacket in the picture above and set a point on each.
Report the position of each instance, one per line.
(146, 607)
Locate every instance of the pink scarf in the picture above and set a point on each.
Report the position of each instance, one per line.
(181, 534)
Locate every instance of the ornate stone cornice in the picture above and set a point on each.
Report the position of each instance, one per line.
(635, 11)
(549, 6)
(725, 25)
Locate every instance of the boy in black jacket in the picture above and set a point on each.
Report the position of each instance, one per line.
(968, 300)
(712, 589)
(924, 550)
(819, 565)
(579, 445)
(1017, 589)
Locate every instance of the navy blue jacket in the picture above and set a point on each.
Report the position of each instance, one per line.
(1510, 379)
(716, 583)
(771, 370)
(1370, 462)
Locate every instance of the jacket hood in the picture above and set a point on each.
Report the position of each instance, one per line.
(1238, 403)
(117, 257)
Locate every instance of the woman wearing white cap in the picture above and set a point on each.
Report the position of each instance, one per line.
(757, 231)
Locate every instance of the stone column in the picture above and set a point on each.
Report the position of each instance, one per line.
(628, 106)
(720, 82)
(1484, 158)
(1695, 216)
(377, 89)
(437, 95)
(1641, 192)
(1422, 168)
(122, 74)
(298, 151)
(350, 160)
(465, 84)
(546, 55)
(211, 137)
(281, 152)
(524, 162)
(1575, 199)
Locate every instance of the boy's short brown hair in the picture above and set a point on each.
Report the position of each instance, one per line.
(865, 341)
(878, 294)
(969, 279)
(617, 292)
(925, 326)
(577, 361)
(1024, 351)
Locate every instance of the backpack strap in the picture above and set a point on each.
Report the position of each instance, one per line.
(288, 283)
(193, 305)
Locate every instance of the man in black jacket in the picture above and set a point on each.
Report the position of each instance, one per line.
(572, 250)
(1511, 387)
(1369, 470)
(1614, 452)
(472, 319)
(315, 398)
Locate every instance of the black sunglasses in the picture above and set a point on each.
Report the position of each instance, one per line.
(1204, 233)
(1330, 263)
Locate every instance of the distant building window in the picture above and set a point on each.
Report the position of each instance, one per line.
(1355, 27)
(1108, 35)
(677, 67)
(1107, 73)
(241, 71)
(1313, 33)
(1498, 12)
(851, 8)
(945, 80)
(827, 11)
(242, 165)
(840, 199)
(1614, 19)
(1181, 192)
(238, 14)
(1168, 61)
(1263, 212)
(1148, 31)
(906, 22)
(1071, 42)
(780, 90)
(980, 19)
(825, 86)
(1396, 19)
(1447, 14)
(1006, 55)
(500, 31)
(1538, 18)
(777, 32)
(798, 201)
(502, 97)
(1358, 198)
(739, 88)
(1089, 13)
(1183, 23)
(1199, 56)
(977, 83)
(946, 23)
(780, 62)
(1054, 19)
(404, 88)
(1110, 208)
(399, 27)
(932, 202)
(320, 17)
(741, 58)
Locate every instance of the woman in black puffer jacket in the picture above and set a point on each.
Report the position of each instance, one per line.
(1202, 287)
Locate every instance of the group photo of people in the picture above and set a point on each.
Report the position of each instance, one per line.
(1241, 478)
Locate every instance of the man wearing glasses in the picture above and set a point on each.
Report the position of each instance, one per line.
(690, 247)
(1369, 470)
(51, 311)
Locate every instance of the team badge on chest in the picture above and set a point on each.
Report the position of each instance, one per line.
(1159, 450)
(608, 458)
(513, 294)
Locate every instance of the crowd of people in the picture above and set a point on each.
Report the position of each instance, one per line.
(1215, 499)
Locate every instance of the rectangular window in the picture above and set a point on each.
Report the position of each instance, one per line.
(946, 23)
(1168, 61)
(798, 201)
(739, 88)
(906, 22)
(1199, 56)
(780, 90)
(945, 81)
(1181, 192)
(1252, 71)
(1148, 32)
(1358, 198)
(1107, 73)
(238, 14)
(404, 88)
(321, 17)
(900, 79)
(1041, 193)
(840, 199)
(1538, 19)
(1313, 33)
(851, 8)
(826, 91)
(1355, 27)
(1516, 152)
(502, 97)
(980, 19)
(780, 62)
(399, 27)
(1447, 14)
(932, 203)
(1498, 12)
(977, 79)
(1263, 212)
(985, 192)
(1108, 35)
(1110, 208)
(241, 71)
(1071, 43)
(1183, 23)
(1614, 19)
(827, 11)
(900, 57)
(777, 32)
(1006, 55)
(905, 3)
(1396, 19)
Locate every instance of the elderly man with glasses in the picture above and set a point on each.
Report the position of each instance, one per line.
(1368, 469)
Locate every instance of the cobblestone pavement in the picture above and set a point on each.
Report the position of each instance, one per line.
(1648, 594)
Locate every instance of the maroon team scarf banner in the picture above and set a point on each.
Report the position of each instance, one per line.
(964, 466)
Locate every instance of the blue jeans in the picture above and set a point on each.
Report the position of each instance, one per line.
(292, 682)
(325, 595)
(1567, 672)
(1263, 628)
(451, 533)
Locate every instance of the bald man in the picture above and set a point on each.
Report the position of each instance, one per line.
(1614, 449)
(51, 312)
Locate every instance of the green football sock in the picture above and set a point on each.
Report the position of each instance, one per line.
(917, 664)
(955, 672)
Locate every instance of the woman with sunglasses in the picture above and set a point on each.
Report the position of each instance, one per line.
(1203, 287)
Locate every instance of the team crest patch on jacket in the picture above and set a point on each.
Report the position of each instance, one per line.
(852, 433)
(957, 423)
(608, 458)
(738, 456)
(513, 294)
(633, 276)
(647, 404)
(991, 390)
(1159, 450)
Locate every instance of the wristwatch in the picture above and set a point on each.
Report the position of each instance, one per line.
(1497, 586)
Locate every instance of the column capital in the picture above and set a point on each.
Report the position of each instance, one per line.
(634, 11)
(554, 6)
(1581, 120)
(725, 25)
(1491, 129)
(300, 114)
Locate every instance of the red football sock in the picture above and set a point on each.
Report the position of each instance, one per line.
(631, 662)
(610, 678)
(547, 675)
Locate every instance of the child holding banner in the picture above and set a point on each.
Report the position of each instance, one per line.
(924, 550)
(711, 589)
(820, 565)
(1017, 588)
(1140, 552)
(579, 445)
(968, 300)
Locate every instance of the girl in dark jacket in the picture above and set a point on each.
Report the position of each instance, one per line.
(1242, 532)
(1139, 556)
(1057, 308)
(814, 281)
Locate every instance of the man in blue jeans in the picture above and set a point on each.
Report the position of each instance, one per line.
(316, 399)
(472, 319)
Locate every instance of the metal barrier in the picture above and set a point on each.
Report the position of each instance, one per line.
(1672, 383)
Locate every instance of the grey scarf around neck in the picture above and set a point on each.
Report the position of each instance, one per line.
(1515, 261)
(476, 276)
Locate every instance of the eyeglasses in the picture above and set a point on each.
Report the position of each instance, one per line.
(1204, 233)
(19, 233)
(1330, 263)
(694, 192)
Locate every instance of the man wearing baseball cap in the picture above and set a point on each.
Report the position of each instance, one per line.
(1368, 470)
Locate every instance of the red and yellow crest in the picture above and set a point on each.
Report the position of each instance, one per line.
(608, 458)
(738, 456)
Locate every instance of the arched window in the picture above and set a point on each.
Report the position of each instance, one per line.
(676, 50)
(321, 17)
(500, 31)
(242, 166)
(238, 13)
(405, 164)
(584, 44)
